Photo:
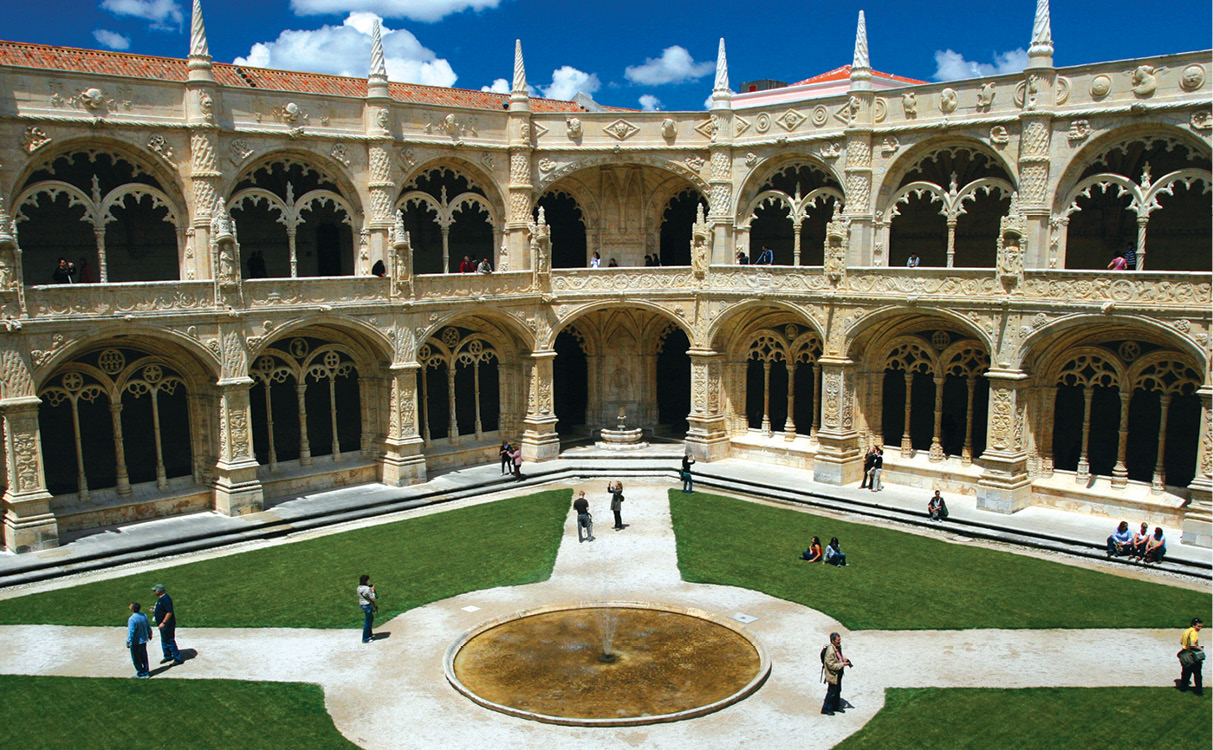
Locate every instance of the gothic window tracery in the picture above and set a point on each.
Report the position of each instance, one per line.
(112, 419)
(783, 381)
(448, 217)
(790, 212)
(459, 385)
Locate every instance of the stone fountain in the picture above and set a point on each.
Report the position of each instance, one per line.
(607, 664)
(622, 438)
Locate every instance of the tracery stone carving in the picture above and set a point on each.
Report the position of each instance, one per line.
(34, 138)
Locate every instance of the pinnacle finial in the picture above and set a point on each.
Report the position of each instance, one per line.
(861, 66)
(519, 86)
(1042, 35)
(722, 70)
(378, 66)
(198, 45)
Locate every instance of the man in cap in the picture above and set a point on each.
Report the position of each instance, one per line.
(166, 623)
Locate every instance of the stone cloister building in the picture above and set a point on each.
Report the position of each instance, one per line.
(266, 296)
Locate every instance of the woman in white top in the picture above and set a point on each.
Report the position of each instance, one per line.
(595, 260)
(366, 600)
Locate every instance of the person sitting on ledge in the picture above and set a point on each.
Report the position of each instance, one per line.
(813, 553)
(937, 509)
(1140, 539)
(1156, 547)
(1121, 541)
(834, 554)
(765, 258)
(912, 261)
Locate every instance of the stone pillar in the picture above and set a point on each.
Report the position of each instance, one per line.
(1036, 126)
(1004, 485)
(237, 489)
(707, 434)
(29, 523)
(539, 439)
(402, 463)
(1198, 514)
(839, 458)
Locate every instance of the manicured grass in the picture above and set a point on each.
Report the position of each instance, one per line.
(128, 714)
(977, 719)
(900, 581)
(312, 583)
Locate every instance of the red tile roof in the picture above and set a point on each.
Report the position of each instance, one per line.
(44, 57)
(844, 73)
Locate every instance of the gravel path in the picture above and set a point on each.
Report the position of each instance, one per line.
(392, 693)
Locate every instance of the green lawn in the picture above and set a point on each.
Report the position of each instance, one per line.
(900, 581)
(311, 583)
(126, 714)
(1045, 718)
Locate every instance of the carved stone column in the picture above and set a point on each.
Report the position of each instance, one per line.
(237, 489)
(539, 439)
(936, 453)
(402, 463)
(204, 179)
(1120, 472)
(707, 433)
(380, 223)
(839, 458)
(1036, 126)
(29, 523)
(1004, 485)
(1198, 514)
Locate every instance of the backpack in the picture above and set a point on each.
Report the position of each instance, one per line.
(823, 655)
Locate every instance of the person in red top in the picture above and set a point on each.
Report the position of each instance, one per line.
(467, 266)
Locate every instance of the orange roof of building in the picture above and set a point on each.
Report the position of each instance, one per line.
(844, 73)
(45, 57)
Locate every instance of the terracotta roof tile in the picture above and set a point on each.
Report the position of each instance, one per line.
(21, 54)
(844, 73)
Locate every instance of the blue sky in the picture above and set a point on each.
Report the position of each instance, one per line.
(627, 53)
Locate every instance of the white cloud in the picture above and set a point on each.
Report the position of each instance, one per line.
(346, 50)
(165, 15)
(951, 66)
(416, 10)
(567, 81)
(112, 39)
(650, 103)
(674, 66)
(499, 86)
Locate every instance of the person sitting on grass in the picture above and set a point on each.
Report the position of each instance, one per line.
(1140, 539)
(937, 509)
(1121, 541)
(834, 554)
(1156, 547)
(813, 553)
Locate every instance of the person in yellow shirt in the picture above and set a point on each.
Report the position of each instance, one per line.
(1191, 658)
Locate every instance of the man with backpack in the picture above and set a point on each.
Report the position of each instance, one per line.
(832, 665)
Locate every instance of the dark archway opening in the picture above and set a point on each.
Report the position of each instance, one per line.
(564, 217)
(570, 381)
(674, 381)
(676, 227)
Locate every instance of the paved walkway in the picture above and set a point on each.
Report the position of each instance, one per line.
(392, 693)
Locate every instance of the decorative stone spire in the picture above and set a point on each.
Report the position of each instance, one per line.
(378, 66)
(861, 66)
(198, 46)
(1040, 53)
(376, 82)
(721, 94)
(519, 70)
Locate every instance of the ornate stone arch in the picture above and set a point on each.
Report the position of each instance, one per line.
(1037, 348)
(186, 353)
(475, 175)
(904, 318)
(730, 323)
(368, 344)
(915, 153)
(764, 170)
(570, 316)
(310, 161)
(666, 164)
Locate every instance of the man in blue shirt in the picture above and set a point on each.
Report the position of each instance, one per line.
(166, 623)
(765, 258)
(138, 633)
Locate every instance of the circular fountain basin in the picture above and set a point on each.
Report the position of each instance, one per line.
(665, 664)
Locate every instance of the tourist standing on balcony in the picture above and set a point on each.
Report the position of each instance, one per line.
(1118, 263)
(379, 269)
(648, 260)
(742, 258)
(912, 261)
(484, 266)
(595, 260)
(139, 632)
(65, 272)
(466, 265)
(1130, 257)
(612, 264)
(366, 601)
(166, 623)
(86, 272)
(256, 266)
(765, 258)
